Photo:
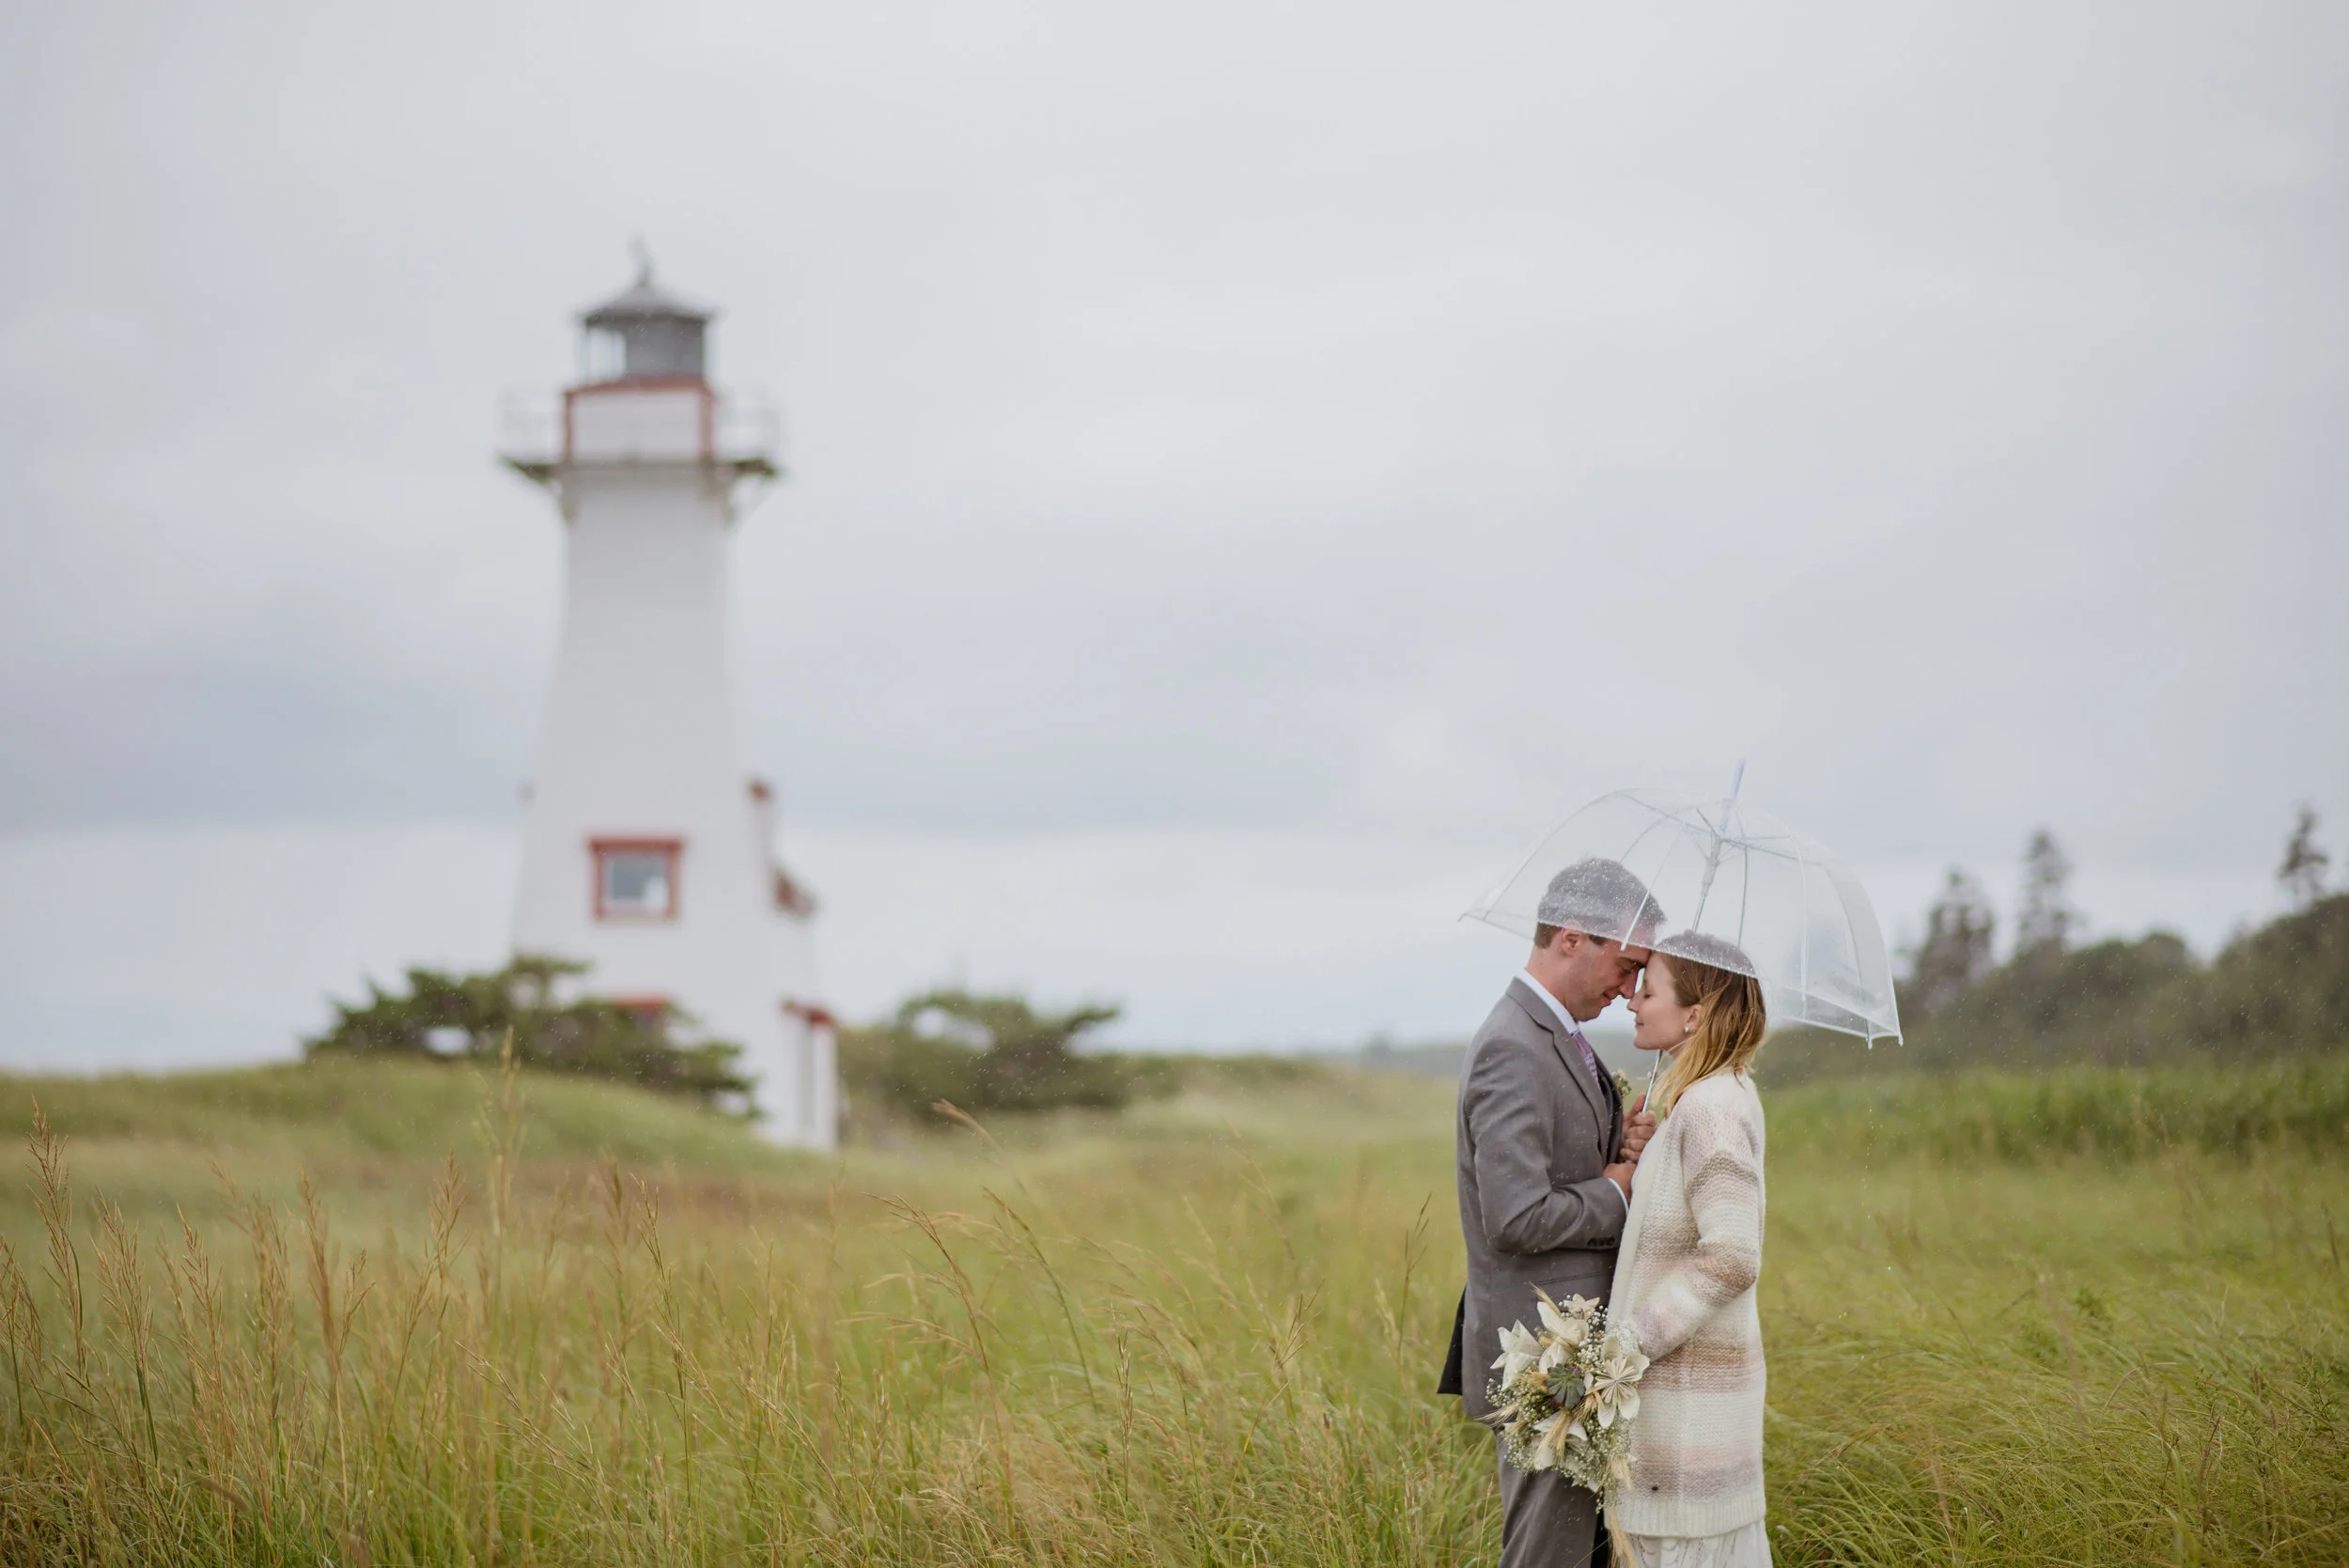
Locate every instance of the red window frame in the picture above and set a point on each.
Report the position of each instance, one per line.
(652, 1010)
(597, 849)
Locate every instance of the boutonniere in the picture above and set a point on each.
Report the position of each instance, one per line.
(1622, 1084)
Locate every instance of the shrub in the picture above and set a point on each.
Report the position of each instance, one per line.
(470, 1018)
(2046, 1006)
(2283, 989)
(991, 1053)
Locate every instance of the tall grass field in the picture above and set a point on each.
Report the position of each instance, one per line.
(357, 1313)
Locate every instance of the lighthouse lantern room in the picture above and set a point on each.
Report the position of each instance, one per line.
(648, 848)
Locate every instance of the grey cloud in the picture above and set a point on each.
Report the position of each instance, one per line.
(1263, 418)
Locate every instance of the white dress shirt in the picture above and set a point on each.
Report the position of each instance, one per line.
(1566, 1021)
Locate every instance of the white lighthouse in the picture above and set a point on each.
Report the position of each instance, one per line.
(650, 849)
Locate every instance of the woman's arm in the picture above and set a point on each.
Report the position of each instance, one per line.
(1720, 1157)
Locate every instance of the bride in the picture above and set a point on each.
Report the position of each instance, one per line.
(1690, 1259)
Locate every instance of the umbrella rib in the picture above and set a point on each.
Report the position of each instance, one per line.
(1851, 935)
(1803, 948)
(1527, 864)
(1892, 997)
(1648, 898)
(1758, 846)
(1745, 894)
(1725, 827)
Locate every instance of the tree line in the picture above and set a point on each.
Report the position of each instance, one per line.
(2282, 989)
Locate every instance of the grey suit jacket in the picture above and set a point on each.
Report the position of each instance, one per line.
(1534, 1131)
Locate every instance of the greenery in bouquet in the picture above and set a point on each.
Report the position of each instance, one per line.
(1567, 1393)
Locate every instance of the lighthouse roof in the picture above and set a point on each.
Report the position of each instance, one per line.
(644, 301)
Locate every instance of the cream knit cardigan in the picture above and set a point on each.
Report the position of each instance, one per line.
(1685, 1279)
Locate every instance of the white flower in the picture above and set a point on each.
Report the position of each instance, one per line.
(1565, 1329)
(1555, 1434)
(1615, 1388)
(1580, 1306)
(1518, 1351)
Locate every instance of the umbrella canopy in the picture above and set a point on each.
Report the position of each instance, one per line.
(1715, 872)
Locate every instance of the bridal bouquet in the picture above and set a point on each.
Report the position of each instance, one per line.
(1567, 1393)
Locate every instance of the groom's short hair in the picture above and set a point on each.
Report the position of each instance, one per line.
(1599, 898)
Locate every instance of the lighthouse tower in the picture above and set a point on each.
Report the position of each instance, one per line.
(650, 849)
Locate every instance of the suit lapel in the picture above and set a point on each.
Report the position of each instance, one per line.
(1569, 1058)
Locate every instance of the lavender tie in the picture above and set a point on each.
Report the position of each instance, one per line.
(1590, 1059)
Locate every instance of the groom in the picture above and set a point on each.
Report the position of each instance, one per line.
(1545, 1155)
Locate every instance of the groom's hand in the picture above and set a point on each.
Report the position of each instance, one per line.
(1621, 1176)
(1637, 1128)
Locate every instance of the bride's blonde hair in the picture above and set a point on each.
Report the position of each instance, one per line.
(1731, 1019)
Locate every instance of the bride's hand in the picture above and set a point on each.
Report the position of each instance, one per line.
(1637, 1128)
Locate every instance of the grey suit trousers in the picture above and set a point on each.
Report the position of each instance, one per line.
(1547, 1521)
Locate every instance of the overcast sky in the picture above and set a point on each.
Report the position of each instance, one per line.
(1254, 468)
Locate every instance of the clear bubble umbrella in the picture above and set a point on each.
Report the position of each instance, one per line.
(1716, 871)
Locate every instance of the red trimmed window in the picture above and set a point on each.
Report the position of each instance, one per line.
(636, 878)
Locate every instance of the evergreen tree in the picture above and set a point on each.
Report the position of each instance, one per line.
(2044, 924)
(989, 1054)
(2303, 870)
(1955, 951)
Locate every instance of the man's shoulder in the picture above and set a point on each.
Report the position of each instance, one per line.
(1511, 1020)
(1508, 1032)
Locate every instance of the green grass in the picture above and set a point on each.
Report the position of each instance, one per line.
(1199, 1332)
(340, 1105)
(2089, 1110)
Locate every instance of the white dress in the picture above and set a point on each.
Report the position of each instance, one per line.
(1749, 1547)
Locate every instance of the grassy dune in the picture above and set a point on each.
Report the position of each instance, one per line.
(342, 1105)
(2111, 1329)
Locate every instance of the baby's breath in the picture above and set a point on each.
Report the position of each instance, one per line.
(1568, 1392)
